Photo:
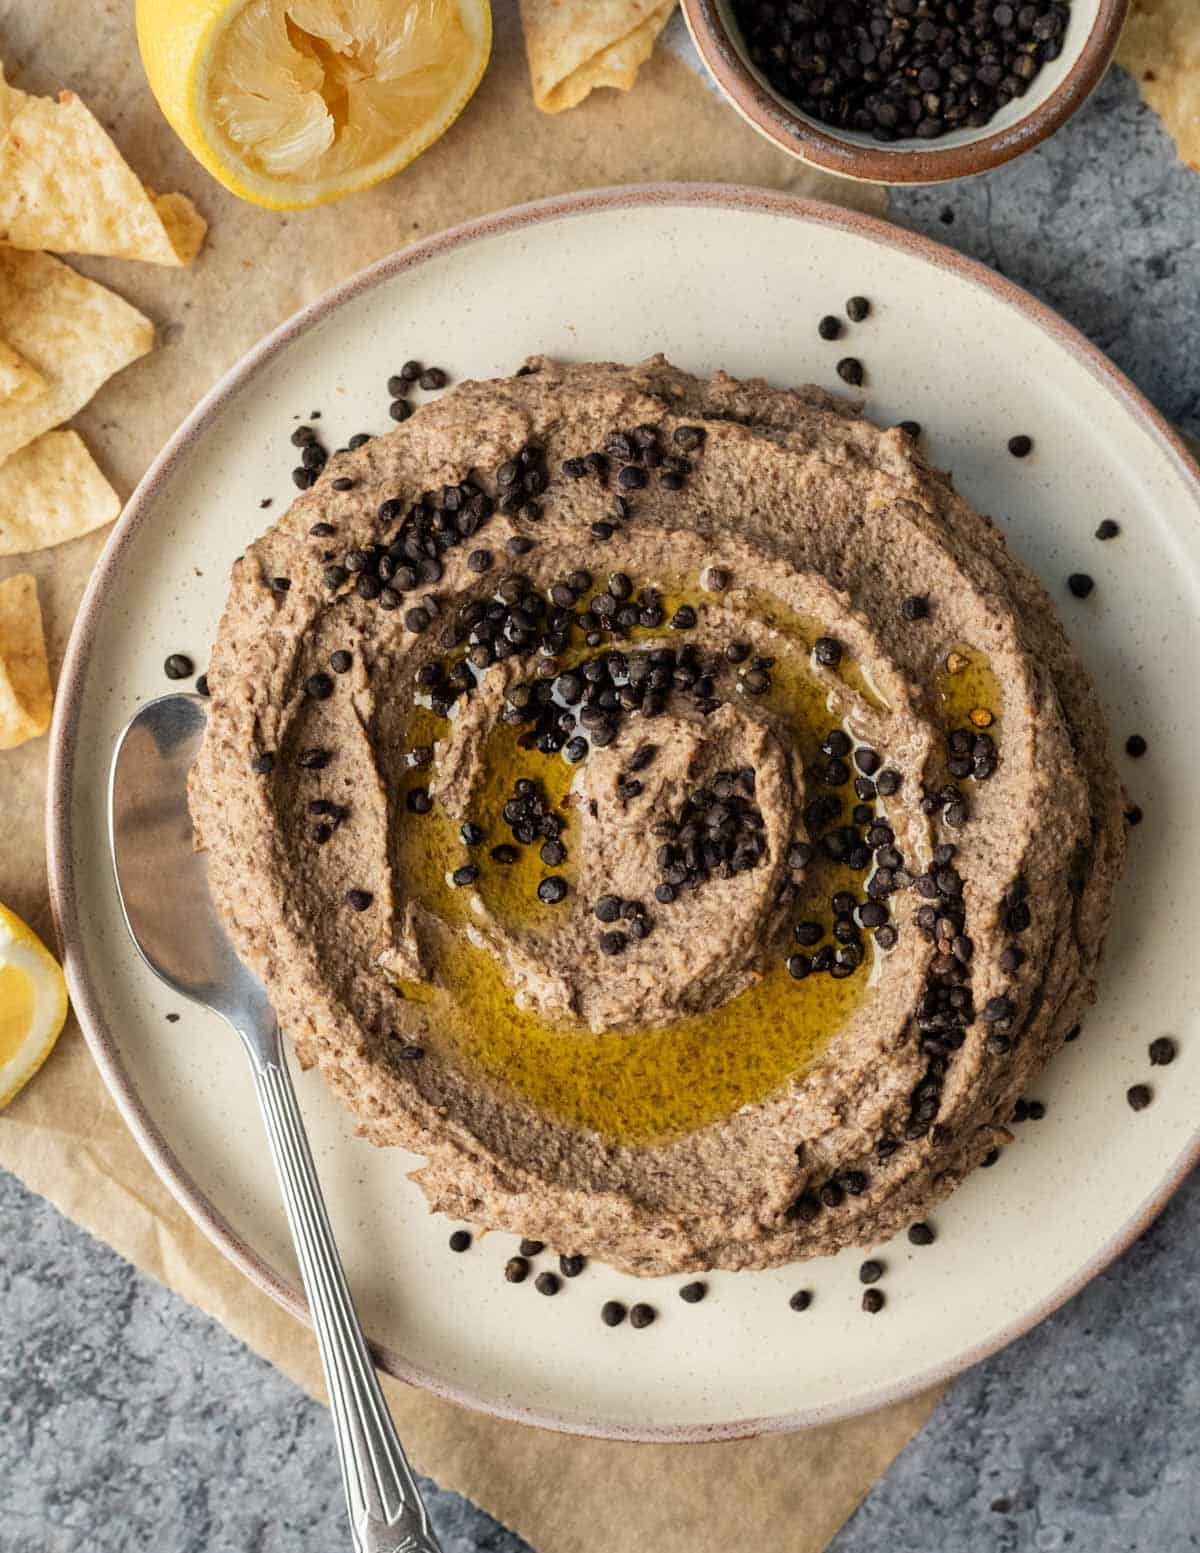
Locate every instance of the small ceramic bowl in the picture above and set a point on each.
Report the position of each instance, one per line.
(1060, 87)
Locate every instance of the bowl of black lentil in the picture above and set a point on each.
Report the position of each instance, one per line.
(906, 91)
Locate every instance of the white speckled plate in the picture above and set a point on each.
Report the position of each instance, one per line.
(715, 278)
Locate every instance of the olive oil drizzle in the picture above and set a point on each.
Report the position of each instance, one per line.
(966, 683)
(632, 1087)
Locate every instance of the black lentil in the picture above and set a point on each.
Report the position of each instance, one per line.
(850, 370)
(827, 651)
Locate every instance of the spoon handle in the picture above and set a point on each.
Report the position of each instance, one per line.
(386, 1512)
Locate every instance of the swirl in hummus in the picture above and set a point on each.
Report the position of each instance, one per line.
(665, 806)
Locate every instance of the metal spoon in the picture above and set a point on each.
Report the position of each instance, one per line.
(163, 887)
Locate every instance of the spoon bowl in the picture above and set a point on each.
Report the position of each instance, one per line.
(162, 880)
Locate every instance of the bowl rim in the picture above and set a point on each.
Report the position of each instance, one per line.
(917, 162)
(65, 896)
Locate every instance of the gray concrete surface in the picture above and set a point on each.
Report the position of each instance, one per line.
(129, 1422)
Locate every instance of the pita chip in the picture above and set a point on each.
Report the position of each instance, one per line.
(573, 46)
(25, 694)
(19, 380)
(73, 331)
(1160, 47)
(66, 187)
(52, 490)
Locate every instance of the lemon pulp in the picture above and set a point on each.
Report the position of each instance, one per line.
(309, 90)
(16, 1010)
(33, 1003)
(291, 103)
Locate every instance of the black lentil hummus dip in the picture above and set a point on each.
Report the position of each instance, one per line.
(665, 806)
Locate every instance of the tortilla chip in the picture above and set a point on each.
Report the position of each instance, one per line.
(75, 332)
(65, 186)
(51, 491)
(576, 45)
(19, 379)
(25, 694)
(1160, 47)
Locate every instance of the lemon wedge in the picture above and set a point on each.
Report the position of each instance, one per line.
(33, 1003)
(290, 103)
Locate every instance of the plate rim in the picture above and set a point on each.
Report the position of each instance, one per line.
(64, 899)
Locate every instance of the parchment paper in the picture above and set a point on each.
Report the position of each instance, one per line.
(63, 1136)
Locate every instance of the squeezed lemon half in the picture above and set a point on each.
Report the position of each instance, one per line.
(33, 1003)
(290, 103)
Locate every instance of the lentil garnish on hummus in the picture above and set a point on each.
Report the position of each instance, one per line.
(731, 871)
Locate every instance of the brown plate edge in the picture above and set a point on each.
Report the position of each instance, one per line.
(64, 731)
